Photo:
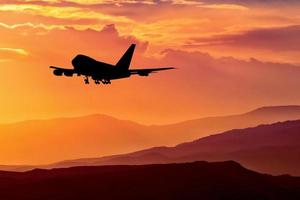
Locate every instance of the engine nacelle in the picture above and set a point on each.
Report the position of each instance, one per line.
(66, 73)
(58, 72)
(143, 73)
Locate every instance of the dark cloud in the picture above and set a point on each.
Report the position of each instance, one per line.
(254, 2)
(229, 81)
(69, 41)
(277, 39)
(170, 2)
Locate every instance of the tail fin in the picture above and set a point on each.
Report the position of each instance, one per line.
(124, 62)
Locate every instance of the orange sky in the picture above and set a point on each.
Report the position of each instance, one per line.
(231, 56)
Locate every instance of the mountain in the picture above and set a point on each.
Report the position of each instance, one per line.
(47, 141)
(194, 129)
(198, 180)
(271, 148)
(43, 141)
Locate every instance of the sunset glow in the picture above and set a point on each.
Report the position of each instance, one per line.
(231, 56)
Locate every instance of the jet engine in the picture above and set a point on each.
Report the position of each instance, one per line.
(141, 73)
(66, 73)
(58, 72)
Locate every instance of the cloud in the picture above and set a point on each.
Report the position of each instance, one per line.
(13, 50)
(201, 84)
(253, 2)
(34, 26)
(224, 6)
(53, 32)
(171, 22)
(275, 39)
(61, 12)
(184, 2)
(9, 54)
(231, 79)
(106, 41)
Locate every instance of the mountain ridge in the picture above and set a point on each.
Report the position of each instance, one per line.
(101, 115)
(99, 135)
(253, 147)
(196, 180)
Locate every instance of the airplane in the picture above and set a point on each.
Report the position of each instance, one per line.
(104, 72)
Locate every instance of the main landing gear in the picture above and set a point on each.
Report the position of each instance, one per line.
(86, 80)
(106, 82)
(97, 82)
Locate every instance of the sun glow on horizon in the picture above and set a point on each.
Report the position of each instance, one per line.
(222, 53)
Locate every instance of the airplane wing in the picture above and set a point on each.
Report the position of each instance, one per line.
(58, 71)
(146, 72)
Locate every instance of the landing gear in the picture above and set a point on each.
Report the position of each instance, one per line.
(86, 80)
(97, 82)
(106, 81)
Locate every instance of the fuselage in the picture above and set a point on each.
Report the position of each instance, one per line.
(84, 65)
(102, 72)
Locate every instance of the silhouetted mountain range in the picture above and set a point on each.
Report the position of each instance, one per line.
(271, 148)
(98, 135)
(198, 180)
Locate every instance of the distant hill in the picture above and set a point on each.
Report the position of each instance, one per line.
(46, 141)
(271, 148)
(194, 129)
(198, 180)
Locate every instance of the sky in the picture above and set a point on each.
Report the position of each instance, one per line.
(231, 56)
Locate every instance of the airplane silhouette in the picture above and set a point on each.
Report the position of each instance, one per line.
(103, 72)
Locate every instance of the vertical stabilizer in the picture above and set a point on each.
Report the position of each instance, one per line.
(124, 62)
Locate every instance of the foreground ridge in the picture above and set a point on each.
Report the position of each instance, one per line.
(197, 180)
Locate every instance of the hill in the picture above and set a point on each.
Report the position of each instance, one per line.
(99, 135)
(198, 180)
(271, 148)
